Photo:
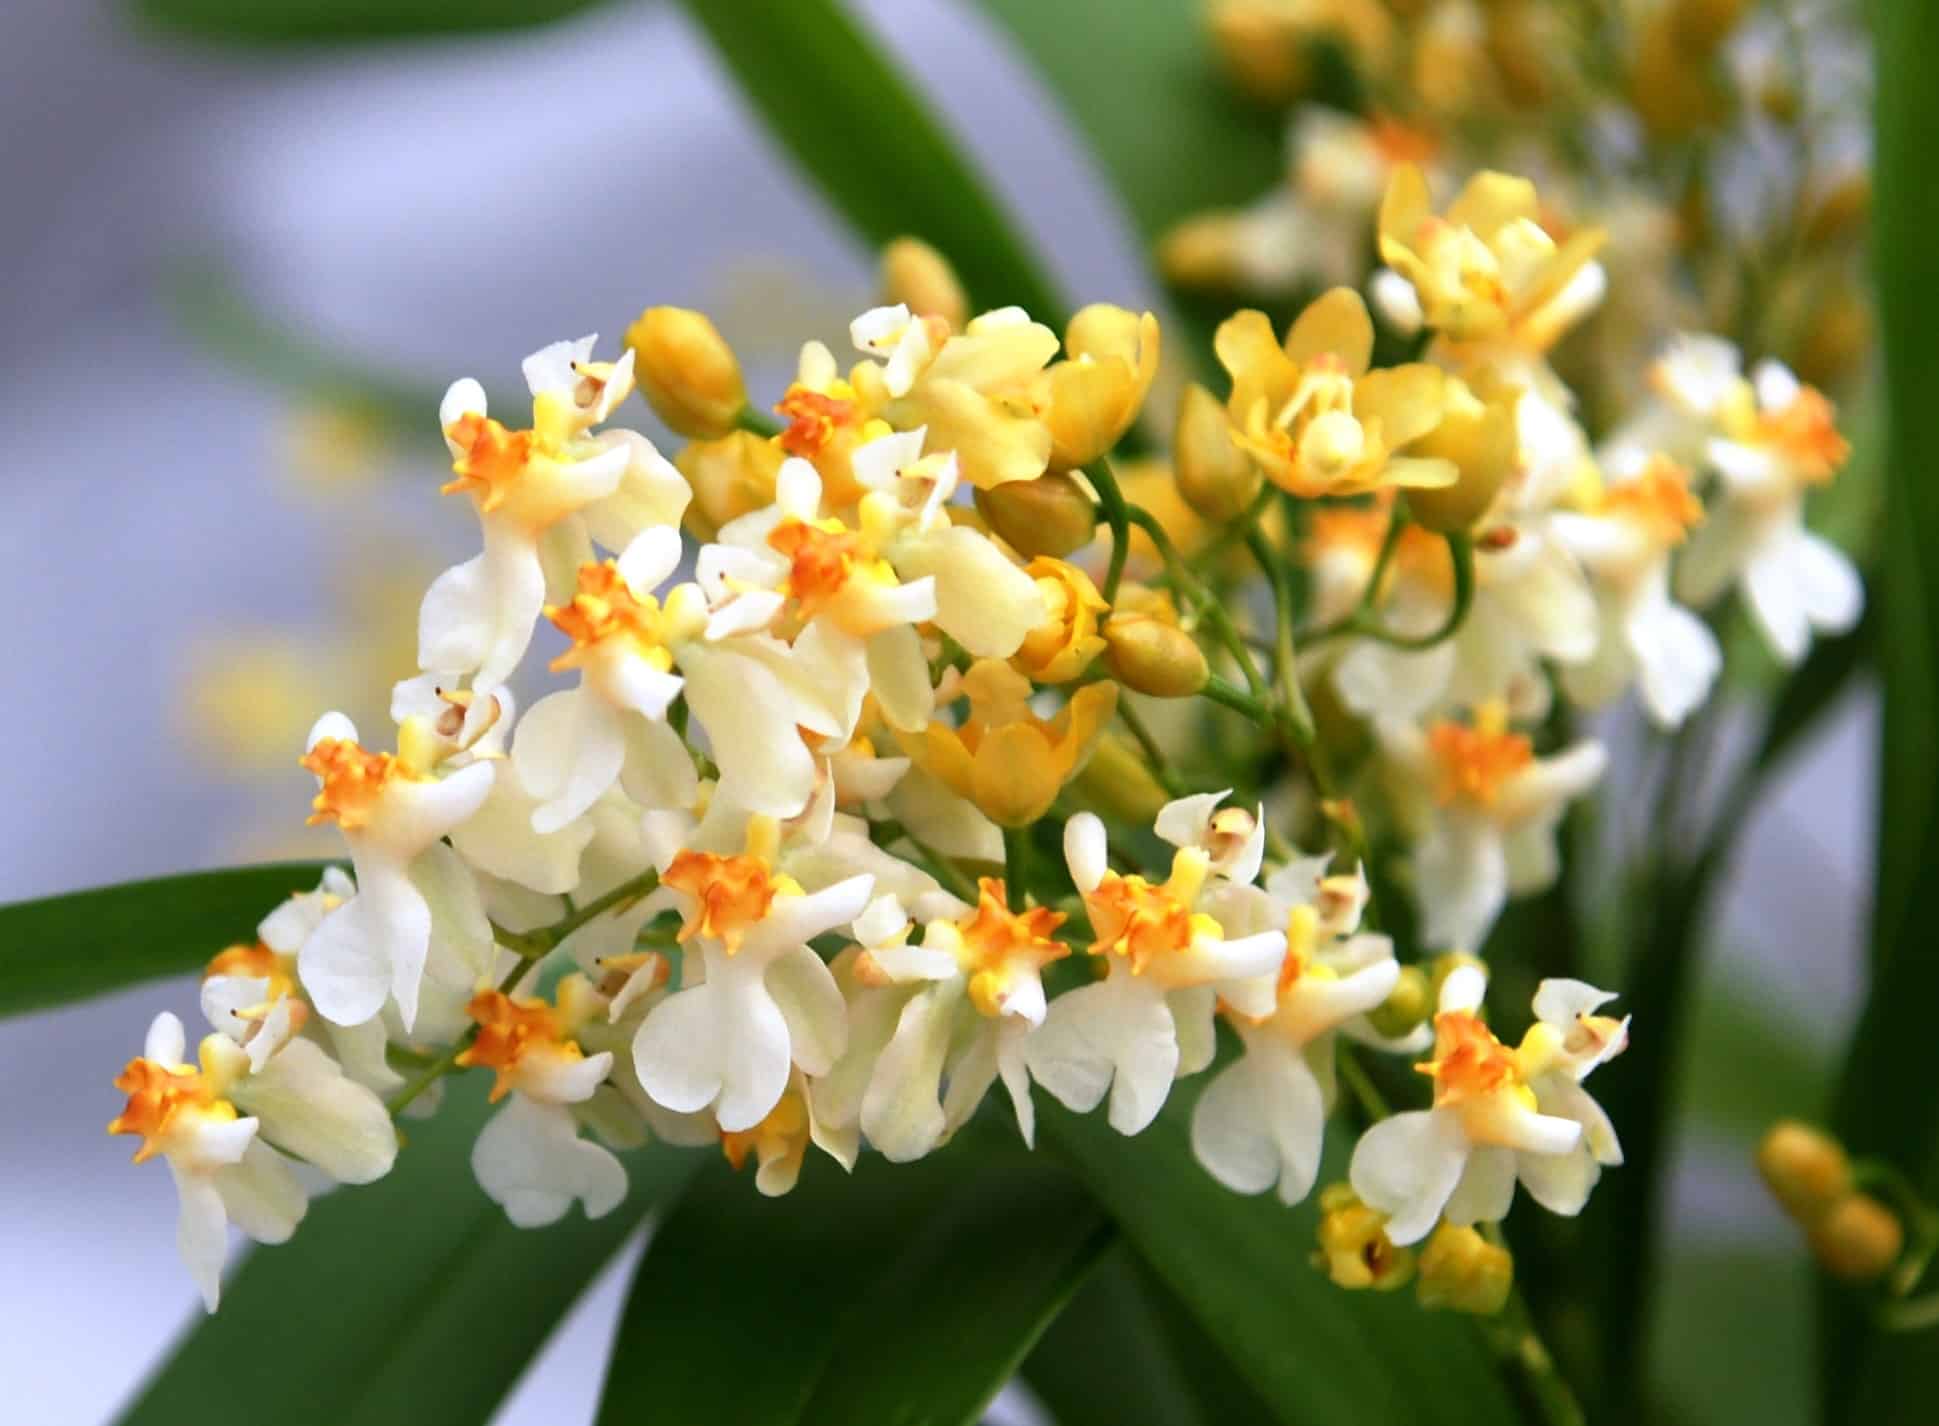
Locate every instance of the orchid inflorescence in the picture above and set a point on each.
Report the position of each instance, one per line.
(864, 816)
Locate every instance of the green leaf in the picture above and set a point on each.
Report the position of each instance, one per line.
(1315, 1354)
(1126, 1350)
(219, 316)
(1733, 1337)
(1884, 1106)
(905, 1294)
(1115, 68)
(843, 109)
(409, 1301)
(85, 943)
(282, 21)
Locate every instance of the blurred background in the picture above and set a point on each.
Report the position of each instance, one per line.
(221, 271)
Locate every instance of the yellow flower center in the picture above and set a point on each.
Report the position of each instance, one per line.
(1658, 501)
(1475, 763)
(492, 459)
(1138, 920)
(257, 962)
(1000, 944)
(510, 1031)
(821, 558)
(352, 779)
(816, 418)
(604, 610)
(732, 893)
(161, 1100)
(1469, 1062)
(1806, 432)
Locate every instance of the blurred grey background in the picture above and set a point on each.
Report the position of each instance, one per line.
(435, 209)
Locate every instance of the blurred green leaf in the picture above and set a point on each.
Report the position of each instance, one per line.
(221, 318)
(342, 21)
(1884, 1104)
(905, 1294)
(1127, 1350)
(86, 943)
(1749, 1060)
(1733, 1337)
(1141, 83)
(411, 1300)
(1315, 1354)
(834, 100)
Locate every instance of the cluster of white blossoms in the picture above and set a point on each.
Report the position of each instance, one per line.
(776, 871)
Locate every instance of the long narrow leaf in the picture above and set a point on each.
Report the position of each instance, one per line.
(1885, 1106)
(1315, 1354)
(63, 948)
(904, 1294)
(842, 108)
(410, 1301)
(344, 21)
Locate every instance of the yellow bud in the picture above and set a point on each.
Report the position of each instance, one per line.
(919, 277)
(1481, 439)
(1444, 966)
(1673, 89)
(1839, 211)
(1118, 783)
(1837, 338)
(1807, 1170)
(1265, 51)
(1204, 251)
(1050, 515)
(1217, 478)
(1408, 1004)
(1702, 25)
(1354, 1249)
(730, 477)
(687, 371)
(1098, 391)
(1858, 1240)
(1464, 1272)
(1062, 647)
(1155, 657)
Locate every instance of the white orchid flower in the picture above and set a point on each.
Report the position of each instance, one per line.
(1150, 1019)
(390, 812)
(1775, 439)
(1262, 1120)
(575, 744)
(530, 1159)
(909, 342)
(1499, 1116)
(1483, 809)
(225, 1168)
(531, 486)
(1625, 541)
(766, 1001)
(1233, 839)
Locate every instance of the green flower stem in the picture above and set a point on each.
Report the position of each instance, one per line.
(1016, 852)
(1117, 516)
(1161, 767)
(1368, 625)
(752, 419)
(1209, 607)
(530, 947)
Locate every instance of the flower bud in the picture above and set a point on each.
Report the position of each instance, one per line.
(1152, 655)
(1050, 515)
(688, 373)
(1062, 647)
(1098, 391)
(1670, 85)
(1217, 478)
(1859, 1239)
(1206, 250)
(1483, 441)
(1407, 1005)
(1119, 784)
(919, 277)
(1702, 25)
(1464, 1272)
(730, 477)
(1443, 966)
(1806, 1169)
(1265, 51)
(1354, 1249)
